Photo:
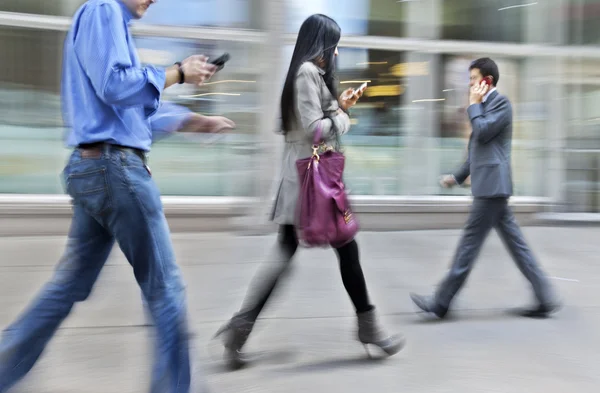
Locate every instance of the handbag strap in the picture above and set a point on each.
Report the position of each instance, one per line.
(318, 134)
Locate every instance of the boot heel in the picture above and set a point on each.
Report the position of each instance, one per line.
(393, 345)
(371, 332)
(235, 334)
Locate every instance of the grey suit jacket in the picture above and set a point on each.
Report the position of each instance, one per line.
(489, 156)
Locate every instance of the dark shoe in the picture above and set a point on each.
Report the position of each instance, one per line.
(541, 311)
(371, 332)
(428, 306)
(234, 335)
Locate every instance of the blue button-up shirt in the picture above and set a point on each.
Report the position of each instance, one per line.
(107, 95)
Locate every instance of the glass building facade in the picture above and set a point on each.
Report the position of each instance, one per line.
(410, 127)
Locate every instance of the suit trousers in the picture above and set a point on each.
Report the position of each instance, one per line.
(485, 214)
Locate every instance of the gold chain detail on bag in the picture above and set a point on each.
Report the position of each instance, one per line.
(322, 148)
(347, 216)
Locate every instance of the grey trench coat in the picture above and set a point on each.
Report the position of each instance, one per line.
(314, 105)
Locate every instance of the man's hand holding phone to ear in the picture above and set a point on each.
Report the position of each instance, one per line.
(478, 91)
(349, 97)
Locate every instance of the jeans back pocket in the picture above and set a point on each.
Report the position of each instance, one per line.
(90, 189)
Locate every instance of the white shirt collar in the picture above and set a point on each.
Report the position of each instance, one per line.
(485, 97)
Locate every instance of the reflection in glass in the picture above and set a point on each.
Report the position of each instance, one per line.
(582, 18)
(355, 17)
(209, 13)
(489, 20)
(583, 139)
(54, 7)
(214, 13)
(374, 144)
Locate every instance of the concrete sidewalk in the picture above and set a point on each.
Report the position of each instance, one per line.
(305, 341)
(568, 219)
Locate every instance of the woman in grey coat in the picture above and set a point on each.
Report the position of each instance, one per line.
(308, 101)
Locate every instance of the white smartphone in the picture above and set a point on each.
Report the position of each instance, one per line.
(361, 88)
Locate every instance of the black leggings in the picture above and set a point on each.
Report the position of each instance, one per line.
(265, 282)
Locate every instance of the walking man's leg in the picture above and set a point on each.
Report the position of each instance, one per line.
(512, 236)
(482, 217)
(87, 250)
(142, 232)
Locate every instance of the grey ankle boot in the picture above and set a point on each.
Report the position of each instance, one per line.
(371, 332)
(235, 334)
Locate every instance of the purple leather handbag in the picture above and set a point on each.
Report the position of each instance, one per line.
(324, 213)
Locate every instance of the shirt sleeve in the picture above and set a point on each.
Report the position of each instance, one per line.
(102, 50)
(169, 118)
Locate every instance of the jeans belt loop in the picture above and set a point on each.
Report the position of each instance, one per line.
(106, 149)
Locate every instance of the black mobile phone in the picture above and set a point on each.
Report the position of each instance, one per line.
(220, 61)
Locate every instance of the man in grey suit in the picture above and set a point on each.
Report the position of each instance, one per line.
(488, 164)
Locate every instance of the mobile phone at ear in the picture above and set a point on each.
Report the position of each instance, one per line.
(488, 80)
(220, 61)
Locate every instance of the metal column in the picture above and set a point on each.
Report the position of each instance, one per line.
(422, 163)
(267, 156)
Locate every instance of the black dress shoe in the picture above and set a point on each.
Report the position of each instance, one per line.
(541, 311)
(428, 306)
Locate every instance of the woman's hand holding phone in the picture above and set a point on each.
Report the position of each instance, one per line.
(349, 97)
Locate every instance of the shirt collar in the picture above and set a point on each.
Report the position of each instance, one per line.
(127, 14)
(485, 97)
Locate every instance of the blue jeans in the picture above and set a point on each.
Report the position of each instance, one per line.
(114, 199)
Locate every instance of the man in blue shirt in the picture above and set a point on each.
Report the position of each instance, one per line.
(112, 106)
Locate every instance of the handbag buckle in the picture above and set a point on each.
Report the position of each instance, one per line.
(315, 152)
(347, 216)
(323, 148)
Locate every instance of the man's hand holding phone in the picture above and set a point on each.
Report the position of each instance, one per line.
(197, 70)
(349, 97)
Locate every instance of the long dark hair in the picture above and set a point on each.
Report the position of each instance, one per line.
(317, 40)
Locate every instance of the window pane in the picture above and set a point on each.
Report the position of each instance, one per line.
(583, 137)
(215, 13)
(30, 117)
(42, 7)
(218, 13)
(33, 155)
(483, 21)
(375, 143)
(582, 17)
(355, 17)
